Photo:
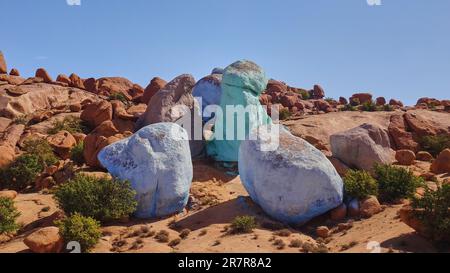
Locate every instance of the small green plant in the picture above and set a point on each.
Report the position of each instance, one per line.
(433, 211)
(243, 224)
(185, 233)
(22, 172)
(70, 124)
(304, 93)
(435, 144)
(387, 108)
(100, 198)
(284, 114)
(359, 184)
(329, 100)
(84, 230)
(395, 183)
(24, 120)
(369, 106)
(296, 243)
(120, 97)
(8, 216)
(349, 107)
(76, 154)
(41, 148)
(174, 242)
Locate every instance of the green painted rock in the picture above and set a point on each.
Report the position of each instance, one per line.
(242, 84)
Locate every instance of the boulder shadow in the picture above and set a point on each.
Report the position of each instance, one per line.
(411, 242)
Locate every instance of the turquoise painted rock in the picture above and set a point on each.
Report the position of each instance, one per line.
(242, 84)
(289, 178)
(157, 162)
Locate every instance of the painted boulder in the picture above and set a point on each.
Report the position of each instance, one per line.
(208, 92)
(242, 84)
(289, 178)
(157, 162)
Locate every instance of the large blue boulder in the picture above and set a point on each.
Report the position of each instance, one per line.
(208, 92)
(289, 178)
(242, 84)
(157, 162)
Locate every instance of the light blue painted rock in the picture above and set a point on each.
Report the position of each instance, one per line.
(208, 92)
(242, 84)
(157, 162)
(293, 181)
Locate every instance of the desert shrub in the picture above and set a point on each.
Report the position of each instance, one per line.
(387, 108)
(349, 107)
(283, 233)
(284, 114)
(185, 233)
(41, 148)
(243, 224)
(395, 182)
(435, 144)
(296, 243)
(329, 100)
(76, 154)
(120, 97)
(22, 172)
(70, 124)
(174, 242)
(162, 236)
(8, 216)
(21, 120)
(369, 106)
(84, 230)
(433, 210)
(355, 102)
(359, 184)
(100, 198)
(304, 93)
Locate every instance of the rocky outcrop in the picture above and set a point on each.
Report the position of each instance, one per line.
(291, 180)
(8, 142)
(62, 143)
(45, 240)
(3, 67)
(442, 163)
(155, 85)
(208, 92)
(117, 85)
(43, 74)
(405, 157)
(157, 162)
(362, 147)
(98, 112)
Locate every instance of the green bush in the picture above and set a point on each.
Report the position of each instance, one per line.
(8, 216)
(22, 172)
(387, 108)
(433, 210)
(120, 97)
(435, 144)
(284, 114)
(70, 124)
(359, 184)
(84, 230)
(76, 154)
(349, 107)
(41, 148)
(243, 224)
(100, 198)
(304, 93)
(24, 120)
(395, 182)
(369, 106)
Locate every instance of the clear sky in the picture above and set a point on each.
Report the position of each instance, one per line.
(400, 49)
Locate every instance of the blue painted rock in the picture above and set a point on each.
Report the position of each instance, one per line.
(242, 84)
(289, 178)
(157, 162)
(208, 92)
(217, 70)
(175, 103)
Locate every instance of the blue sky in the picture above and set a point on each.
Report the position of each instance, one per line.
(400, 49)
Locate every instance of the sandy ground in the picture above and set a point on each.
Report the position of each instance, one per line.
(217, 199)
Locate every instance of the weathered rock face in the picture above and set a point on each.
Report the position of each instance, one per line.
(293, 182)
(175, 103)
(242, 84)
(363, 146)
(361, 97)
(115, 85)
(62, 143)
(442, 163)
(155, 85)
(76, 81)
(14, 72)
(318, 92)
(45, 240)
(402, 138)
(8, 142)
(370, 207)
(64, 79)
(157, 162)
(43, 74)
(97, 113)
(39, 97)
(405, 157)
(208, 92)
(3, 67)
(424, 156)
